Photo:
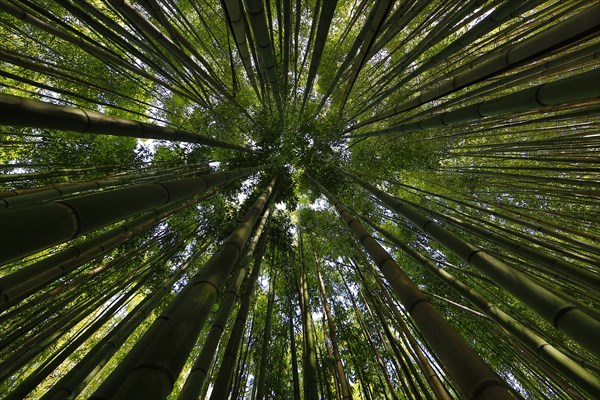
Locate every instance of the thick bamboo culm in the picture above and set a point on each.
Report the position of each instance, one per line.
(471, 374)
(35, 228)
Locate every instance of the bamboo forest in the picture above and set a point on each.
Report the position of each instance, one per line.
(299, 199)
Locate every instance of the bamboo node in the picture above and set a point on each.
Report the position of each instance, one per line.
(559, 313)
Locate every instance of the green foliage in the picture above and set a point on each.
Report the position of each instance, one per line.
(529, 176)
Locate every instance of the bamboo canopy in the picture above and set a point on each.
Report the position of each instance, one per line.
(324, 199)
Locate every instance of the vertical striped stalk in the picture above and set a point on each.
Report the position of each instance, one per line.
(536, 344)
(266, 337)
(169, 341)
(195, 380)
(339, 367)
(69, 386)
(311, 391)
(222, 382)
(235, 16)
(471, 374)
(427, 371)
(325, 19)
(563, 315)
(292, 334)
(36, 377)
(266, 54)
